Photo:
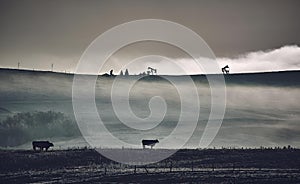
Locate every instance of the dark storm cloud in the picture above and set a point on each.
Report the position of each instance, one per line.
(38, 33)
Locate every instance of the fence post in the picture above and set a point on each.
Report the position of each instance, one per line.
(192, 166)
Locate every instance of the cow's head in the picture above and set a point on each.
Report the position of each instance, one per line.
(156, 141)
(51, 144)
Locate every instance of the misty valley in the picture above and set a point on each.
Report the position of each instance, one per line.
(261, 110)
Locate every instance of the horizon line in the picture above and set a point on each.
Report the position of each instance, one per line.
(106, 74)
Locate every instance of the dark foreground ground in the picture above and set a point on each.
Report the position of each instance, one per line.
(186, 166)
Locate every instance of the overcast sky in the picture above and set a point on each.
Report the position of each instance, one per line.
(39, 33)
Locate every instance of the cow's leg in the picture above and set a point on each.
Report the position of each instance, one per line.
(143, 146)
(47, 148)
(34, 148)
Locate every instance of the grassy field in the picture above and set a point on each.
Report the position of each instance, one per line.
(188, 165)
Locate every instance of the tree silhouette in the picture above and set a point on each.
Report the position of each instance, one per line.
(126, 72)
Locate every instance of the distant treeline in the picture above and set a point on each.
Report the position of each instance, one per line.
(24, 127)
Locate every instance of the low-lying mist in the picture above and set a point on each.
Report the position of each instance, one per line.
(24, 127)
(259, 111)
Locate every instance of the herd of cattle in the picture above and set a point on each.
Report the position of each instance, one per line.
(45, 145)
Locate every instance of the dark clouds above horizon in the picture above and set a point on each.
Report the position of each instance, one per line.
(39, 33)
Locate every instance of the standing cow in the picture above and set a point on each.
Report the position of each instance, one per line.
(41, 145)
(150, 143)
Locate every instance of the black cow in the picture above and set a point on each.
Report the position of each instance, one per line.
(149, 143)
(42, 145)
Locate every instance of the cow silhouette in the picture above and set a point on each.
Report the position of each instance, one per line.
(150, 143)
(41, 145)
